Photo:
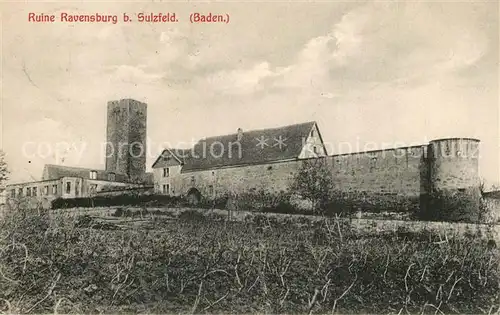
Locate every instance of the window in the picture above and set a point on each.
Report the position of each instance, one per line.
(373, 163)
(166, 172)
(28, 191)
(166, 188)
(93, 175)
(13, 193)
(34, 190)
(20, 191)
(111, 177)
(315, 150)
(68, 187)
(46, 190)
(54, 189)
(92, 188)
(312, 133)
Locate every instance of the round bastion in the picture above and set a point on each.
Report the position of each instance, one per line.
(454, 179)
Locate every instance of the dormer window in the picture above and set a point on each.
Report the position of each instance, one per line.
(93, 175)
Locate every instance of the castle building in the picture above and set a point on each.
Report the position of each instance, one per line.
(125, 163)
(439, 176)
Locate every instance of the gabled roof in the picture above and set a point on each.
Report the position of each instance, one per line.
(179, 154)
(52, 171)
(255, 147)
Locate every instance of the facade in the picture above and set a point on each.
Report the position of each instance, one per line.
(65, 182)
(405, 178)
(125, 163)
(231, 163)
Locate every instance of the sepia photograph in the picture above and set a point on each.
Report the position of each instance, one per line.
(249, 157)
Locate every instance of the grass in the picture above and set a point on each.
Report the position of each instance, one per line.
(200, 265)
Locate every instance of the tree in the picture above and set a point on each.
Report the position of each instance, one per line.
(4, 171)
(314, 182)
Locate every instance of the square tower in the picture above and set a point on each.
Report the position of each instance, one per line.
(126, 138)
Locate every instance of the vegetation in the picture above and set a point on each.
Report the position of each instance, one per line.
(314, 182)
(196, 265)
(4, 171)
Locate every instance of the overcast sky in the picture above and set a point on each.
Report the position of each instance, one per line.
(382, 73)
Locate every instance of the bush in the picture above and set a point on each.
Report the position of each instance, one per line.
(120, 200)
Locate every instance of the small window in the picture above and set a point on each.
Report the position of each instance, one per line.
(92, 188)
(93, 174)
(315, 150)
(46, 190)
(111, 177)
(166, 172)
(34, 190)
(20, 191)
(166, 158)
(313, 134)
(54, 189)
(68, 187)
(28, 191)
(13, 193)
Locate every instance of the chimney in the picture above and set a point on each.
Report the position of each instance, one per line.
(240, 134)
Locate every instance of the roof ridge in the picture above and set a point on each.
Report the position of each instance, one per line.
(261, 129)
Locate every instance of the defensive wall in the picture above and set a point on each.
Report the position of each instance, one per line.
(434, 178)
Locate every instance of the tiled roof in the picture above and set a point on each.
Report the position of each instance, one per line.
(255, 147)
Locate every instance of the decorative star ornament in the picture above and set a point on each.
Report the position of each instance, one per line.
(280, 142)
(262, 142)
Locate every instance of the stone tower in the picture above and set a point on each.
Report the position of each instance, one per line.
(454, 179)
(126, 138)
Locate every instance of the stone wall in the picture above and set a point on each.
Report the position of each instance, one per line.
(395, 180)
(126, 138)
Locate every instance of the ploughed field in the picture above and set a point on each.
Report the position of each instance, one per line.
(200, 264)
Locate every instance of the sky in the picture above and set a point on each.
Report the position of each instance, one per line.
(372, 74)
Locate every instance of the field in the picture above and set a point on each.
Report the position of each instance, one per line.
(193, 263)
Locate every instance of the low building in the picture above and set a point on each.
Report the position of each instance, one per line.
(67, 182)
